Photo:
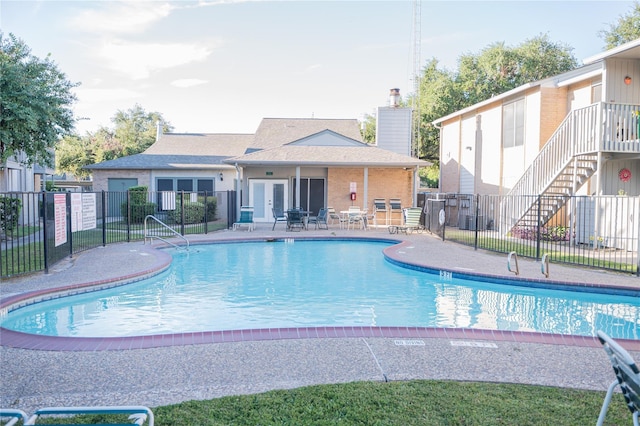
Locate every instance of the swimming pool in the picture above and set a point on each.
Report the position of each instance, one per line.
(282, 284)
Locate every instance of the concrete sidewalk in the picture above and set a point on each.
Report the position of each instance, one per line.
(160, 376)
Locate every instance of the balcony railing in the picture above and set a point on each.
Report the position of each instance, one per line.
(620, 128)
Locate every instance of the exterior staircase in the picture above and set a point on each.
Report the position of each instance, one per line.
(565, 163)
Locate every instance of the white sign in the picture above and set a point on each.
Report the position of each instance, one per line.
(60, 218)
(88, 211)
(83, 211)
(168, 200)
(352, 187)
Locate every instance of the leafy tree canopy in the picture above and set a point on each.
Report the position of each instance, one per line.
(134, 131)
(626, 29)
(35, 104)
(494, 70)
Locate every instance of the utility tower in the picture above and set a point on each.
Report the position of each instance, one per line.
(415, 104)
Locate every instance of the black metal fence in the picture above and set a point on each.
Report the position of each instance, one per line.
(596, 231)
(38, 229)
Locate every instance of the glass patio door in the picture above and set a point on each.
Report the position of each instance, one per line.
(266, 194)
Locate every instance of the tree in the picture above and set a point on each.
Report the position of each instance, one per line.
(35, 104)
(368, 128)
(626, 29)
(496, 69)
(135, 130)
(499, 68)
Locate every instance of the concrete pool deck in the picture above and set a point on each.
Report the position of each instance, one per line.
(173, 373)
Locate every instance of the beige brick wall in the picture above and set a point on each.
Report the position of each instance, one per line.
(101, 178)
(382, 183)
(553, 105)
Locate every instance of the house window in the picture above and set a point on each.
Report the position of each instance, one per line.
(513, 124)
(184, 184)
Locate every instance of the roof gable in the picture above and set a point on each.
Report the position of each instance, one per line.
(273, 132)
(326, 138)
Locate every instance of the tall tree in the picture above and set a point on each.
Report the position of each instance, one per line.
(626, 29)
(134, 131)
(496, 69)
(35, 104)
(500, 68)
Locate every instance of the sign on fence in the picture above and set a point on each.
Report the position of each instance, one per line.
(60, 218)
(83, 211)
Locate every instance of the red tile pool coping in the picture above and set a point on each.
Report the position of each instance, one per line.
(16, 339)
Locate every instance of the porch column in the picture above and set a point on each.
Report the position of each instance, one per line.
(238, 185)
(297, 187)
(416, 185)
(365, 190)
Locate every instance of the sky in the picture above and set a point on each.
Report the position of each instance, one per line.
(221, 66)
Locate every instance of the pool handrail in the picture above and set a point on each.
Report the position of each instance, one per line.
(173, 231)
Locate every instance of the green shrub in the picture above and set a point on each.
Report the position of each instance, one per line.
(212, 206)
(140, 207)
(193, 213)
(9, 212)
(138, 194)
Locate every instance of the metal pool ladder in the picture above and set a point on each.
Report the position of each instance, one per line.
(170, 229)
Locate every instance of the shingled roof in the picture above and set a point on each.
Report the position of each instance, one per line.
(182, 151)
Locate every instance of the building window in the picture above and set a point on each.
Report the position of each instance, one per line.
(184, 184)
(513, 124)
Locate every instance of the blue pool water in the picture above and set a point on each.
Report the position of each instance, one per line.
(317, 283)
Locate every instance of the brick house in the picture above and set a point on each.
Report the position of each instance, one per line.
(327, 156)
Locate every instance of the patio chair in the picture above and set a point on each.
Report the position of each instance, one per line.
(395, 211)
(246, 219)
(12, 416)
(138, 415)
(627, 377)
(278, 216)
(320, 221)
(332, 215)
(295, 220)
(411, 221)
(380, 210)
(355, 217)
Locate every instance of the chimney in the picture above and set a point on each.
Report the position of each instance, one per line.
(158, 130)
(394, 98)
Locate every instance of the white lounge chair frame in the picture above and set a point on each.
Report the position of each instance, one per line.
(627, 377)
(137, 413)
(14, 416)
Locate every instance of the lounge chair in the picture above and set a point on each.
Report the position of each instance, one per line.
(320, 220)
(380, 211)
(411, 222)
(627, 377)
(295, 220)
(278, 216)
(246, 219)
(138, 415)
(395, 211)
(12, 416)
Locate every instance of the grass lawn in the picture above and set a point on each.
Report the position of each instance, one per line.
(418, 402)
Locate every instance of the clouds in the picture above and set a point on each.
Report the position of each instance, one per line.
(119, 30)
(111, 18)
(188, 82)
(139, 60)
